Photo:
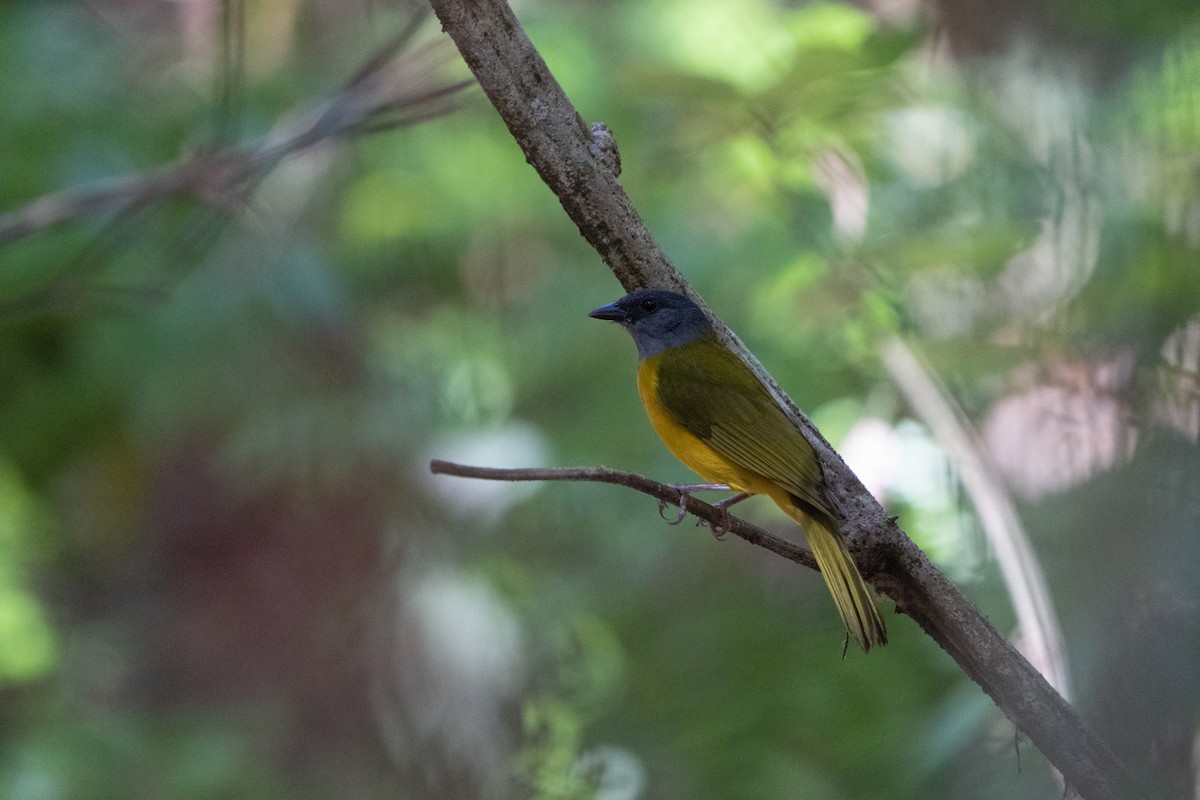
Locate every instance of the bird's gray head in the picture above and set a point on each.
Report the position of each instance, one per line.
(656, 319)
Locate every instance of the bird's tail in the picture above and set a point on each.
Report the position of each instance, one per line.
(850, 593)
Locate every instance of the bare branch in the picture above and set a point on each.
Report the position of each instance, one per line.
(717, 519)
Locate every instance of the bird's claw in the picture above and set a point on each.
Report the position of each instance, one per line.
(720, 529)
(685, 491)
(662, 507)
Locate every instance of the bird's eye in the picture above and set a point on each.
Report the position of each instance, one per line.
(649, 305)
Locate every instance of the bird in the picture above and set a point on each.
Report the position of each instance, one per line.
(717, 416)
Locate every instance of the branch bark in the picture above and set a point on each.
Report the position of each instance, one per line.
(580, 166)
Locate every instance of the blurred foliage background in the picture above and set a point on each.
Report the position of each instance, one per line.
(225, 571)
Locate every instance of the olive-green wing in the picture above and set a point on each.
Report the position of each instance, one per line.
(722, 402)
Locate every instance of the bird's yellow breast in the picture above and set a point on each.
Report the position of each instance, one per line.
(683, 444)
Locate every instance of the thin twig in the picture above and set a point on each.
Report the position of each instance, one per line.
(717, 519)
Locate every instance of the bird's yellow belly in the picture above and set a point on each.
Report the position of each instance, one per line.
(686, 446)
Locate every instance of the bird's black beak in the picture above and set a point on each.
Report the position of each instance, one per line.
(611, 312)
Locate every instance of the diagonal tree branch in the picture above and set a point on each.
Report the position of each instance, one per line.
(580, 166)
(579, 163)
